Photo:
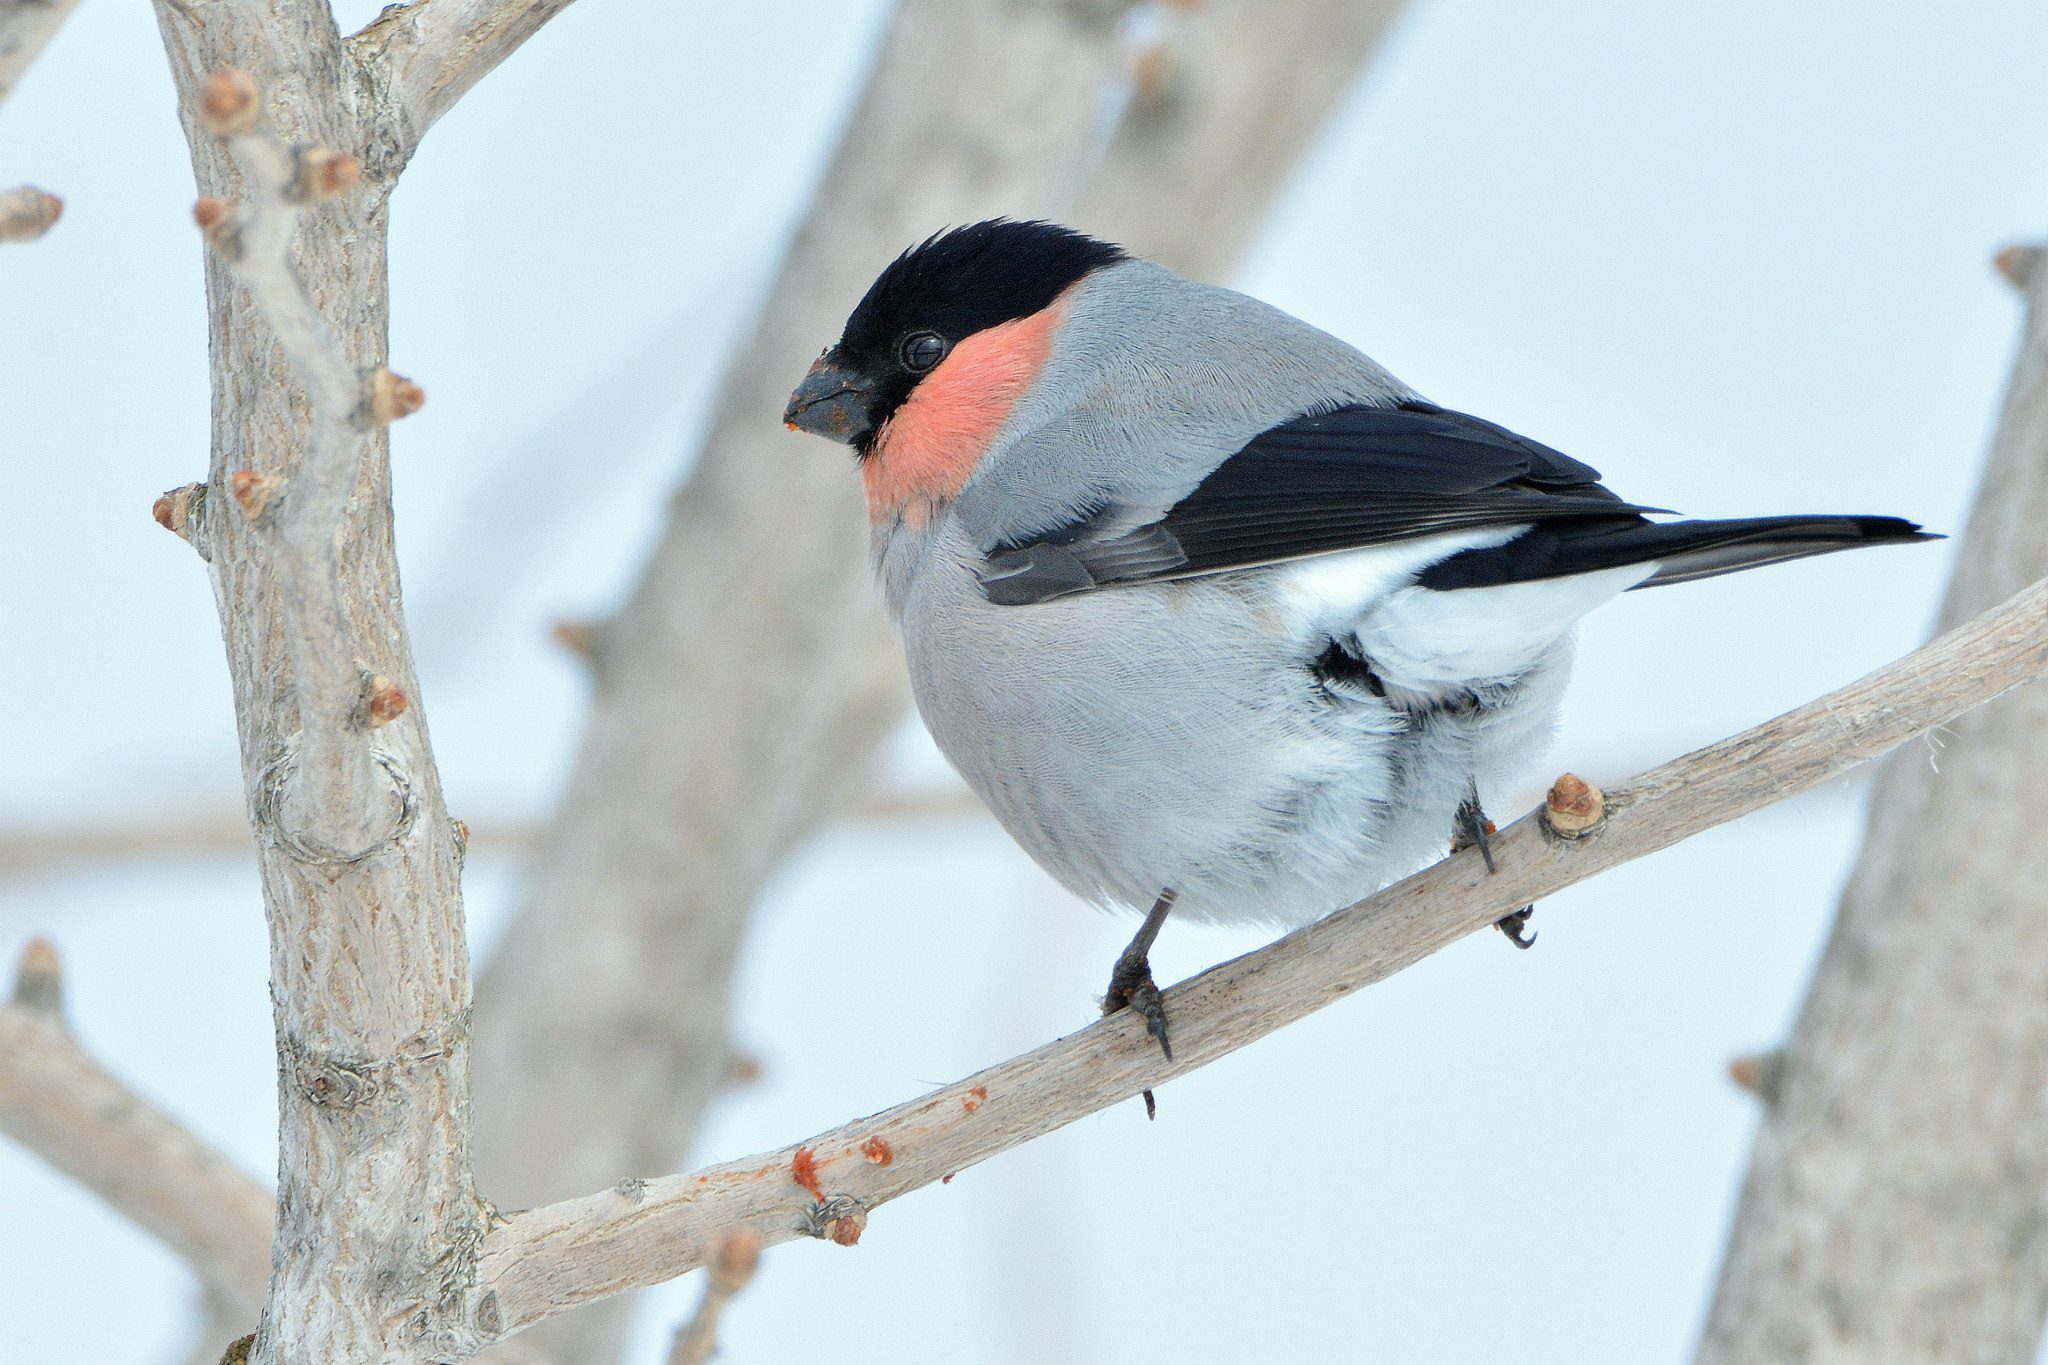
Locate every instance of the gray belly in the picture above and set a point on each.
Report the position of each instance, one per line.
(1173, 735)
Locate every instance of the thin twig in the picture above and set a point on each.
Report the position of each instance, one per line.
(732, 1266)
(538, 1263)
(61, 1104)
(33, 850)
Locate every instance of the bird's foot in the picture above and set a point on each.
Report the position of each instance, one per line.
(1131, 986)
(1470, 831)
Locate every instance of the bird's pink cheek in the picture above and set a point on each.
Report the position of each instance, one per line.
(923, 455)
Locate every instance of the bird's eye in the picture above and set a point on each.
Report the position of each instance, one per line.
(922, 350)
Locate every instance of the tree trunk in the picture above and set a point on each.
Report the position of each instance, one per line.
(1896, 1207)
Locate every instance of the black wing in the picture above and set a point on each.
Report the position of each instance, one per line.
(1339, 480)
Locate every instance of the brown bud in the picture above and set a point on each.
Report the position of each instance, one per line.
(1153, 73)
(2018, 264)
(220, 225)
(27, 213)
(176, 510)
(228, 103)
(578, 637)
(734, 1261)
(321, 173)
(742, 1068)
(1759, 1073)
(383, 702)
(392, 396)
(39, 979)
(253, 491)
(1574, 807)
(847, 1227)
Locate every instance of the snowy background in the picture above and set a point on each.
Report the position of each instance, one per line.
(1733, 255)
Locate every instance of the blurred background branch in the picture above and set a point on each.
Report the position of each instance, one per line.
(61, 1104)
(1897, 1200)
(26, 26)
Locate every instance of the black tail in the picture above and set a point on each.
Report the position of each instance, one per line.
(1683, 550)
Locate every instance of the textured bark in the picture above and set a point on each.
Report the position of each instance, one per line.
(543, 1261)
(1896, 1207)
(1225, 104)
(378, 1219)
(752, 645)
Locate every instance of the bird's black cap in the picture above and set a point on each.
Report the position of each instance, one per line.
(951, 285)
(968, 279)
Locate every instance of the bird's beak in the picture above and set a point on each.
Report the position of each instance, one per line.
(831, 402)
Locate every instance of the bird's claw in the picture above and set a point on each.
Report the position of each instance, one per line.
(1131, 987)
(1513, 925)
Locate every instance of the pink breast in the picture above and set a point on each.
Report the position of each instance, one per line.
(923, 455)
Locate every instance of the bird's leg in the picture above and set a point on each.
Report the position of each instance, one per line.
(1131, 984)
(1471, 830)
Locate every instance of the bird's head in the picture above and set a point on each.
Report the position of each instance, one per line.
(947, 339)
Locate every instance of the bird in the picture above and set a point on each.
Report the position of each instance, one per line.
(1219, 617)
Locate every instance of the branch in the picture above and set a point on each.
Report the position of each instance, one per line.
(27, 213)
(37, 849)
(1225, 103)
(333, 795)
(433, 51)
(377, 1207)
(25, 27)
(538, 1263)
(69, 1110)
(1894, 1205)
(731, 1269)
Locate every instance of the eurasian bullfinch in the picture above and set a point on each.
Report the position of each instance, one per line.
(1217, 615)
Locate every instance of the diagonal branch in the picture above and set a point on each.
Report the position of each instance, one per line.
(538, 1263)
(433, 51)
(26, 26)
(61, 1104)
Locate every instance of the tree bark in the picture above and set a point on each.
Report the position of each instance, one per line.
(1896, 1207)
(378, 1218)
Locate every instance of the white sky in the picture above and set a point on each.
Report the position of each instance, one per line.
(1731, 254)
